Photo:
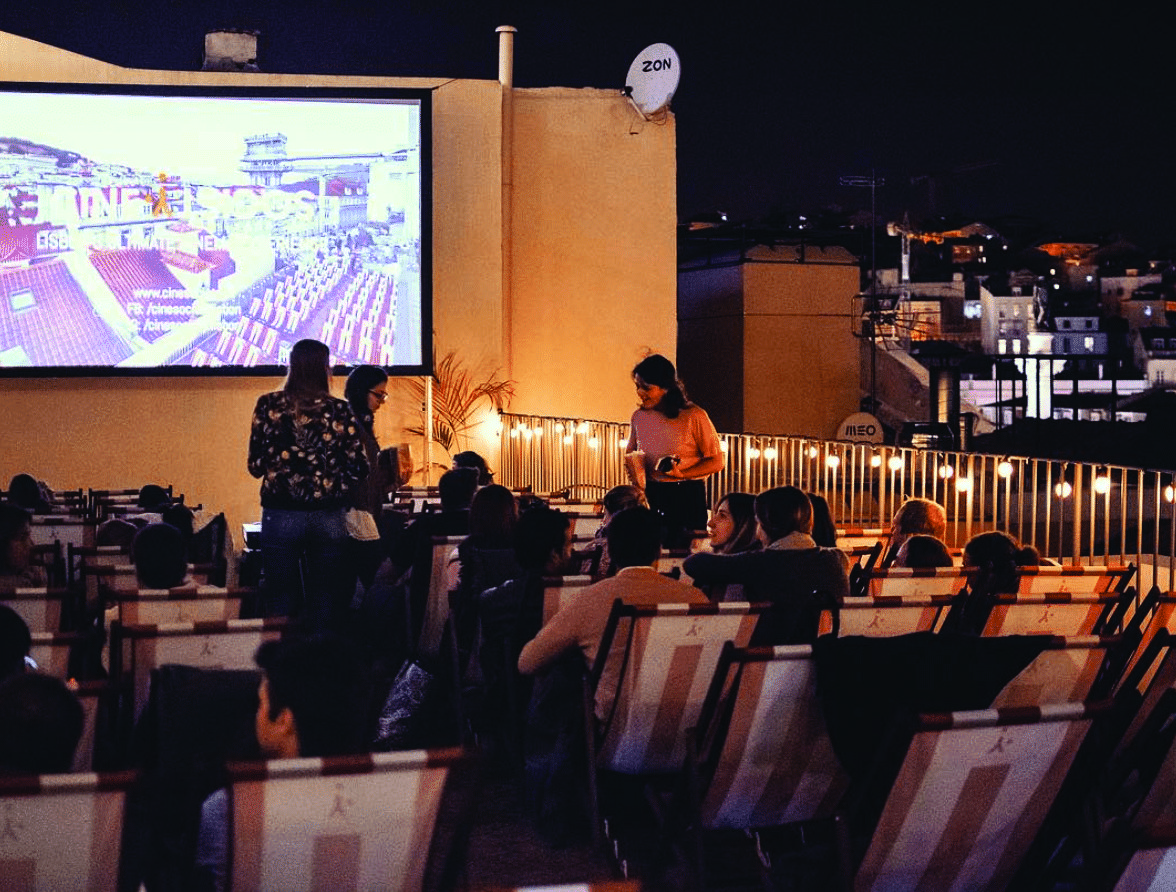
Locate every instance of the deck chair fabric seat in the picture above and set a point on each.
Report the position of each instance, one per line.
(766, 759)
(191, 603)
(1151, 866)
(349, 822)
(559, 590)
(1049, 613)
(1075, 578)
(1068, 669)
(668, 654)
(51, 651)
(43, 609)
(62, 831)
(866, 684)
(973, 789)
(889, 615)
(914, 582)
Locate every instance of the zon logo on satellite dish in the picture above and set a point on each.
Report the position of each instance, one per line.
(653, 78)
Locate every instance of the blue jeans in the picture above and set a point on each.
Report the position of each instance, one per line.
(303, 557)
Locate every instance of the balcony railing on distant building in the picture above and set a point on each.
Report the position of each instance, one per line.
(1073, 513)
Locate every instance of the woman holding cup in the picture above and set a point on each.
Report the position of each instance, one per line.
(673, 447)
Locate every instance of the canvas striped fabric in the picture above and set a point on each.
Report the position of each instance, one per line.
(1049, 613)
(970, 796)
(888, 615)
(213, 644)
(1152, 867)
(185, 604)
(1065, 671)
(915, 582)
(41, 608)
(672, 651)
(51, 651)
(772, 762)
(346, 823)
(1075, 578)
(437, 602)
(61, 831)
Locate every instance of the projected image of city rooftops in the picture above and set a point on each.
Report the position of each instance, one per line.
(162, 233)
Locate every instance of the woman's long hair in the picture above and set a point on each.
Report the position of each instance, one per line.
(359, 384)
(493, 515)
(309, 374)
(657, 370)
(741, 507)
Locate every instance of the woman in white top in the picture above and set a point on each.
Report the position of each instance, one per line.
(680, 447)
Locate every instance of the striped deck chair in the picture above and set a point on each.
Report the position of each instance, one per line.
(62, 831)
(970, 796)
(42, 609)
(68, 529)
(886, 615)
(228, 644)
(93, 696)
(909, 581)
(1051, 613)
(1075, 578)
(766, 758)
(348, 822)
(1152, 864)
(558, 590)
(669, 656)
(856, 542)
(1069, 669)
(184, 604)
(670, 564)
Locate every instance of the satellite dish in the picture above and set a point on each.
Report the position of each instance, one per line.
(653, 78)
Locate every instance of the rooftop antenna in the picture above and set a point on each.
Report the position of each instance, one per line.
(653, 79)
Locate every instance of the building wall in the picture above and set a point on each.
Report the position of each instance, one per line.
(592, 282)
(778, 337)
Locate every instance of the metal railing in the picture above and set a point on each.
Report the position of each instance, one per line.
(1072, 512)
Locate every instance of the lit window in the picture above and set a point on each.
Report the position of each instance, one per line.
(1088, 344)
(1001, 347)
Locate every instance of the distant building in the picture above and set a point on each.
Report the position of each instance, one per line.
(1155, 355)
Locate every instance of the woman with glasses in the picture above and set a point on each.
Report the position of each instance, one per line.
(307, 448)
(366, 391)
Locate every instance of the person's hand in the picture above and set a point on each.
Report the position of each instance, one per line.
(665, 476)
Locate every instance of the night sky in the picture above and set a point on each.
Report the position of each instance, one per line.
(964, 110)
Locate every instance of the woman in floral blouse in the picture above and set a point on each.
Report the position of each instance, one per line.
(306, 447)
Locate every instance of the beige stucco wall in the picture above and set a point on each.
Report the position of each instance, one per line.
(592, 282)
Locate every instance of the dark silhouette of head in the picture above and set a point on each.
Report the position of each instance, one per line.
(309, 372)
(160, 556)
(42, 721)
(15, 641)
(783, 510)
(469, 459)
(634, 538)
(541, 536)
(456, 488)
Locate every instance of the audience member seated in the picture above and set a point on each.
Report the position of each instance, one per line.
(160, 556)
(510, 614)
(16, 549)
(473, 460)
(634, 541)
(792, 572)
(824, 528)
(991, 560)
(26, 491)
(732, 530)
(183, 519)
(923, 552)
(42, 722)
(615, 501)
(116, 531)
(312, 701)
(486, 557)
(913, 517)
(153, 497)
(15, 642)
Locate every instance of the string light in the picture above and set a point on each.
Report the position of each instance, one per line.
(1102, 484)
(964, 484)
(770, 453)
(832, 462)
(946, 472)
(1005, 468)
(895, 463)
(1063, 489)
(875, 461)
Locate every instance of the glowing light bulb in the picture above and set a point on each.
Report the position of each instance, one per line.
(1170, 493)
(558, 427)
(1102, 484)
(875, 461)
(593, 442)
(1005, 468)
(567, 439)
(537, 431)
(753, 452)
(946, 472)
(583, 428)
(895, 462)
(770, 453)
(813, 452)
(514, 433)
(1062, 490)
(833, 462)
(724, 446)
(964, 484)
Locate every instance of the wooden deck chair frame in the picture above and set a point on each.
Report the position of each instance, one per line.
(362, 822)
(1075, 578)
(436, 606)
(192, 603)
(970, 796)
(52, 651)
(910, 581)
(645, 734)
(63, 831)
(760, 756)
